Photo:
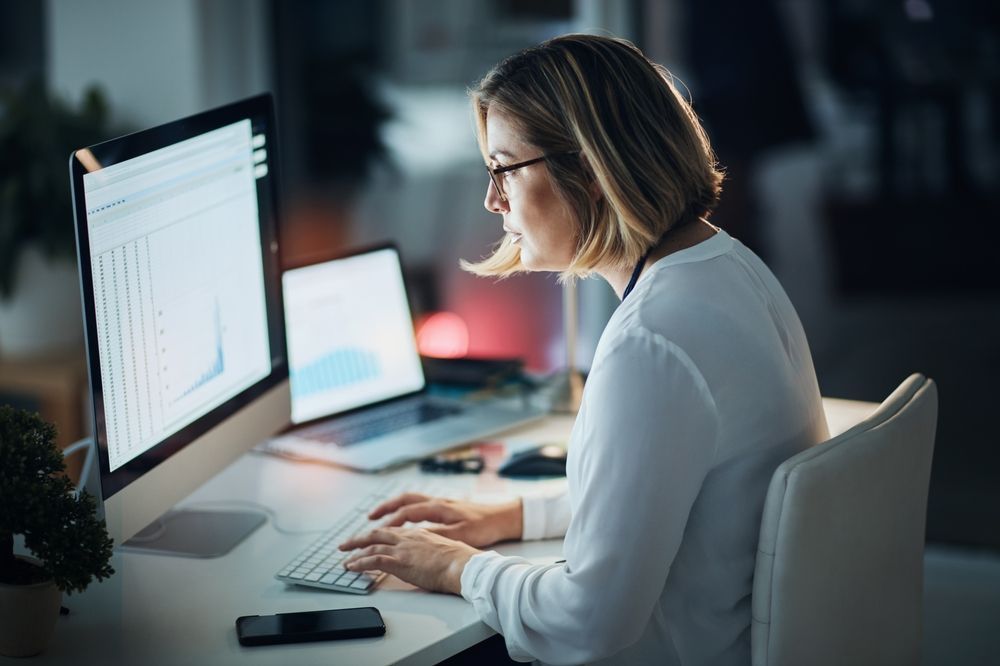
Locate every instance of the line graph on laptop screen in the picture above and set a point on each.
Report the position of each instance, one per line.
(350, 336)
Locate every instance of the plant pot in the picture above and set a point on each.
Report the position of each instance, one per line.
(28, 614)
(43, 315)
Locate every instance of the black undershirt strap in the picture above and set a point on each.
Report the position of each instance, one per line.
(636, 271)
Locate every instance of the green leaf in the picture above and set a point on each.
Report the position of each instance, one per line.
(37, 500)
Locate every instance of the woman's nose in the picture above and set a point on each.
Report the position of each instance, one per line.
(493, 202)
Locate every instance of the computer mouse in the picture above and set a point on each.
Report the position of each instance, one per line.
(545, 460)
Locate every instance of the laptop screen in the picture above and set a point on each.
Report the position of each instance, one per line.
(350, 335)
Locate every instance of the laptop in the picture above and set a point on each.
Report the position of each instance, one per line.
(359, 395)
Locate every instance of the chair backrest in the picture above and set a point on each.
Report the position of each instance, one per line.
(85, 481)
(839, 573)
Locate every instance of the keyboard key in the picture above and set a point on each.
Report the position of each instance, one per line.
(362, 583)
(348, 578)
(313, 577)
(329, 578)
(297, 575)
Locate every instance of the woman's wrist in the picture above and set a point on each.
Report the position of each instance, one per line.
(513, 516)
(453, 575)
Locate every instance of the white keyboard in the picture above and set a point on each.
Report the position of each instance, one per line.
(321, 563)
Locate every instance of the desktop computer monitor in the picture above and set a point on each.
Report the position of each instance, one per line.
(179, 271)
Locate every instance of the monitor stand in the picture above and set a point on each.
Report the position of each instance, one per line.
(189, 533)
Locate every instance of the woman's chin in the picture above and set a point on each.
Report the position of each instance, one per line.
(530, 261)
(533, 261)
(534, 265)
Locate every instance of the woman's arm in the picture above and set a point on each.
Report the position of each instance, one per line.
(645, 444)
(545, 515)
(537, 516)
(644, 441)
(470, 522)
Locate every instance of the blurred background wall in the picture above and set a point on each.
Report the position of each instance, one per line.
(860, 141)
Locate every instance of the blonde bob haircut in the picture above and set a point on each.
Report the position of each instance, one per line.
(628, 155)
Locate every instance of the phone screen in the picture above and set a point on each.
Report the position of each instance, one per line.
(310, 625)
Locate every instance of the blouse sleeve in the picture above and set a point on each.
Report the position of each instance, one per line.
(544, 516)
(648, 442)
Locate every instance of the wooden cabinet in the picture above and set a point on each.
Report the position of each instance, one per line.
(57, 388)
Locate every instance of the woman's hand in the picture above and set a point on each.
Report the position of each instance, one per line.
(416, 556)
(476, 524)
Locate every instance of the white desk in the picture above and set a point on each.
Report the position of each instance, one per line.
(170, 610)
(173, 610)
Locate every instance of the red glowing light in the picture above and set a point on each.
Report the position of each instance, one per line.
(443, 335)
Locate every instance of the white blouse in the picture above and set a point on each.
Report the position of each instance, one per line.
(702, 383)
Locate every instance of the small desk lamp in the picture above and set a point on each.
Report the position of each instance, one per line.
(568, 384)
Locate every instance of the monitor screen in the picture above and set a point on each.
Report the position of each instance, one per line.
(179, 285)
(179, 273)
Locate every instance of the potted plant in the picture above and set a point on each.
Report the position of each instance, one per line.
(59, 527)
(39, 297)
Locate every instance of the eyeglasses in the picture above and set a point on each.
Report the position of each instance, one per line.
(494, 172)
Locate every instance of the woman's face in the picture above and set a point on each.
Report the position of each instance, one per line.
(534, 216)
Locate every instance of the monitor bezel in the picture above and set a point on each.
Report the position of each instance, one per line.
(260, 110)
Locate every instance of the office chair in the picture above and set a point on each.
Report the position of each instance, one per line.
(85, 480)
(839, 573)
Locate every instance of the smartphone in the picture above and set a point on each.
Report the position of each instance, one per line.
(307, 626)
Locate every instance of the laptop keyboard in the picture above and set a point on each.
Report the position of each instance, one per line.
(321, 563)
(371, 425)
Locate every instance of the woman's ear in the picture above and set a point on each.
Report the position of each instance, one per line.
(596, 194)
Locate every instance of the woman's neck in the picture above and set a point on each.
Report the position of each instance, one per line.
(675, 241)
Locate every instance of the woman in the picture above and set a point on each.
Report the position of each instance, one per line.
(702, 382)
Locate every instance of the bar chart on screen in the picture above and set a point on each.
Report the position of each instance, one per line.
(328, 352)
(337, 369)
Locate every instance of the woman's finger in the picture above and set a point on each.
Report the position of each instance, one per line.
(368, 551)
(391, 505)
(378, 535)
(354, 542)
(414, 513)
(386, 563)
(377, 549)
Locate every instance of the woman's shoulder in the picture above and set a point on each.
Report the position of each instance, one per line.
(696, 305)
(702, 291)
(630, 342)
